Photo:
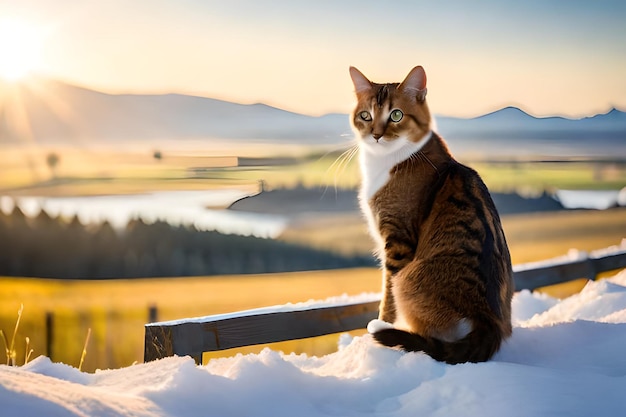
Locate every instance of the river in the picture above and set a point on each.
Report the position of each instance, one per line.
(175, 207)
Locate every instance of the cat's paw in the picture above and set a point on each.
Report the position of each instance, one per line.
(376, 325)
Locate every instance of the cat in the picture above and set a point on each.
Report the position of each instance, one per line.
(447, 275)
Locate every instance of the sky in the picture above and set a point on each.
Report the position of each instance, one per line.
(565, 358)
(548, 57)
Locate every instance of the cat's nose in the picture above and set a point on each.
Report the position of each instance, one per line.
(377, 136)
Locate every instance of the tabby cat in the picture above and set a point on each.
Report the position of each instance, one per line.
(447, 276)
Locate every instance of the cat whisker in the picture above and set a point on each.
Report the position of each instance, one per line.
(338, 147)
(339, 166)
(425, 158)
(418, 157)
(346, 161)
(338, 163)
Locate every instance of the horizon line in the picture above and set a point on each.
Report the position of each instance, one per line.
(37, 77)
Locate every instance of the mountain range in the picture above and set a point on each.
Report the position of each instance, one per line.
(58, 112)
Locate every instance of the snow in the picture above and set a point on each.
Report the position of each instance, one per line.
(307, 305)
(566, 357)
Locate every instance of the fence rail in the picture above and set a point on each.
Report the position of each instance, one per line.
(194, 336)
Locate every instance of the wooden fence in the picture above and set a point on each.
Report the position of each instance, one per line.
(194, 336)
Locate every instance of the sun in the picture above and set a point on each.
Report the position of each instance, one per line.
(20, 49)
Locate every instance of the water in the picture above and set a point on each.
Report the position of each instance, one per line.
(174, 207)
(591, 199)
(190, 208)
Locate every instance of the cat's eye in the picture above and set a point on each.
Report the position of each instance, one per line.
(396, 115)
(365, 115)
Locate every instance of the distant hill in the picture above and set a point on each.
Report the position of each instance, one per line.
(61, 112)
(511, 131)
(512, 118)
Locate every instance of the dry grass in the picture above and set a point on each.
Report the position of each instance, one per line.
(116, 310)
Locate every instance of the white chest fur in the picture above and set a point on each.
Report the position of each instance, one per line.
(376, 162)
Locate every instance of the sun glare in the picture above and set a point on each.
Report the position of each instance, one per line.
(20, 49)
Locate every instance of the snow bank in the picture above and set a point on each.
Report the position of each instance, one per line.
(566, 357)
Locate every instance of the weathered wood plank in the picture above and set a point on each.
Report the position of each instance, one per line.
(534, 277)
(609, 262)
(529, 279)
(194, 337)
(157, 343)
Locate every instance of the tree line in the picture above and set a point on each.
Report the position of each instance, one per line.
(54, 247)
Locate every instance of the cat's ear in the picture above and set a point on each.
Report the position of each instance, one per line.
(361, 83)
(415, 83)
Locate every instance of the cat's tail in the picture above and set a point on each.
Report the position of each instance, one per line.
(478, 346)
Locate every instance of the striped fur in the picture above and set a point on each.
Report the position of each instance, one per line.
(447, 276)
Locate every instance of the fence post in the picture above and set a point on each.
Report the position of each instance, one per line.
(153, 313)
(49, 333)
